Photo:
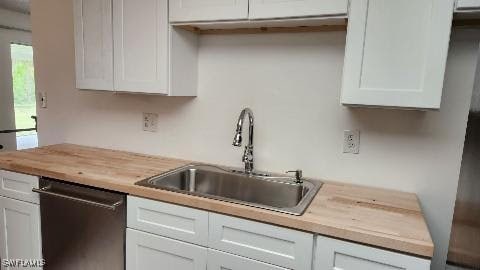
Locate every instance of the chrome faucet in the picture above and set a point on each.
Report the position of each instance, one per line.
(237, 140)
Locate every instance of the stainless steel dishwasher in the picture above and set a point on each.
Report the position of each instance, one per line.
(82, 228)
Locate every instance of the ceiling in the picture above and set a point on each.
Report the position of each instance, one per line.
(22, 6)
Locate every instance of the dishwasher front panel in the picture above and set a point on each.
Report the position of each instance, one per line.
(82, 228)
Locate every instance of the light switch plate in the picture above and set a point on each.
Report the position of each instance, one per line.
(351, 141)
(150, 121)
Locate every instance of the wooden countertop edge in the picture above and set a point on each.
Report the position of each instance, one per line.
(422, 248)
(391, 242)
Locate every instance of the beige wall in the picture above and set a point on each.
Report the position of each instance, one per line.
(292, 82)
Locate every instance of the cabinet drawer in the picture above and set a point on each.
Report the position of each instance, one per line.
(146, 251)
(18, 186)
(218, 260)
(178, 222)
(271, 244)
(331, 254)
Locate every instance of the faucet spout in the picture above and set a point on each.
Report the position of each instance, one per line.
(237, 140)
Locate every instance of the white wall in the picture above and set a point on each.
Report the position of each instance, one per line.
(292, 82)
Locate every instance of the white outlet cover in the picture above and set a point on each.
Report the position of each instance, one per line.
(351, 141)
(43, 100)
(150, 122)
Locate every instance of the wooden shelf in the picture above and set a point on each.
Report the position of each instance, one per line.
(295, 25)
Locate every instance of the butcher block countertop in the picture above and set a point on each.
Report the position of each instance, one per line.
(371, 216)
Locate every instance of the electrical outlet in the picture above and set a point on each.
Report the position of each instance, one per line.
(351, 141)
(43, 100)
(150, 121)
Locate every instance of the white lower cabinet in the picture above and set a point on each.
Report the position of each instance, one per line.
(218, 260)
(332, 254)
(20, 234)
(239, 244)
(147, 251)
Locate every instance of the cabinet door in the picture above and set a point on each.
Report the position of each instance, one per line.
(332, 254)
(20, 236)
(467, 5)
(208, 10)
(140, 34)
(93, 44)
(396, 53)
(145, 251)
(267, 9)
(224, 261)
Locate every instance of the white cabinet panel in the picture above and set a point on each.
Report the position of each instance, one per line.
(396, 53)
(332, 254)
(271, 244)
(93, 44)
(140, 38)
(20, 236)
(173, 221)
(18, 186)
(218, 260)
(267, 9)
(208, 10)
(147, 251)
(467, 5)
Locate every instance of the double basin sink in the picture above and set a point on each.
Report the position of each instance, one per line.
(277, 193)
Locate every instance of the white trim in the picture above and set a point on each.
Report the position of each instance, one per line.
(14, 20)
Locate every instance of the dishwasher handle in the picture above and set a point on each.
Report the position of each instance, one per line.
(47, 191)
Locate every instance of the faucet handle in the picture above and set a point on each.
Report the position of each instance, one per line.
(298, 175)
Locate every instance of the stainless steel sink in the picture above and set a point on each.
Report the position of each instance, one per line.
(277, 193)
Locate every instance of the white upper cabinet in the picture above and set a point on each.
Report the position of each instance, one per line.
(93, 44)
(332, 254)
(467, 5)
(140, 38)
(208, 10)
(396, 53)
(129, 46)
(268, 9)
(220, 10)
